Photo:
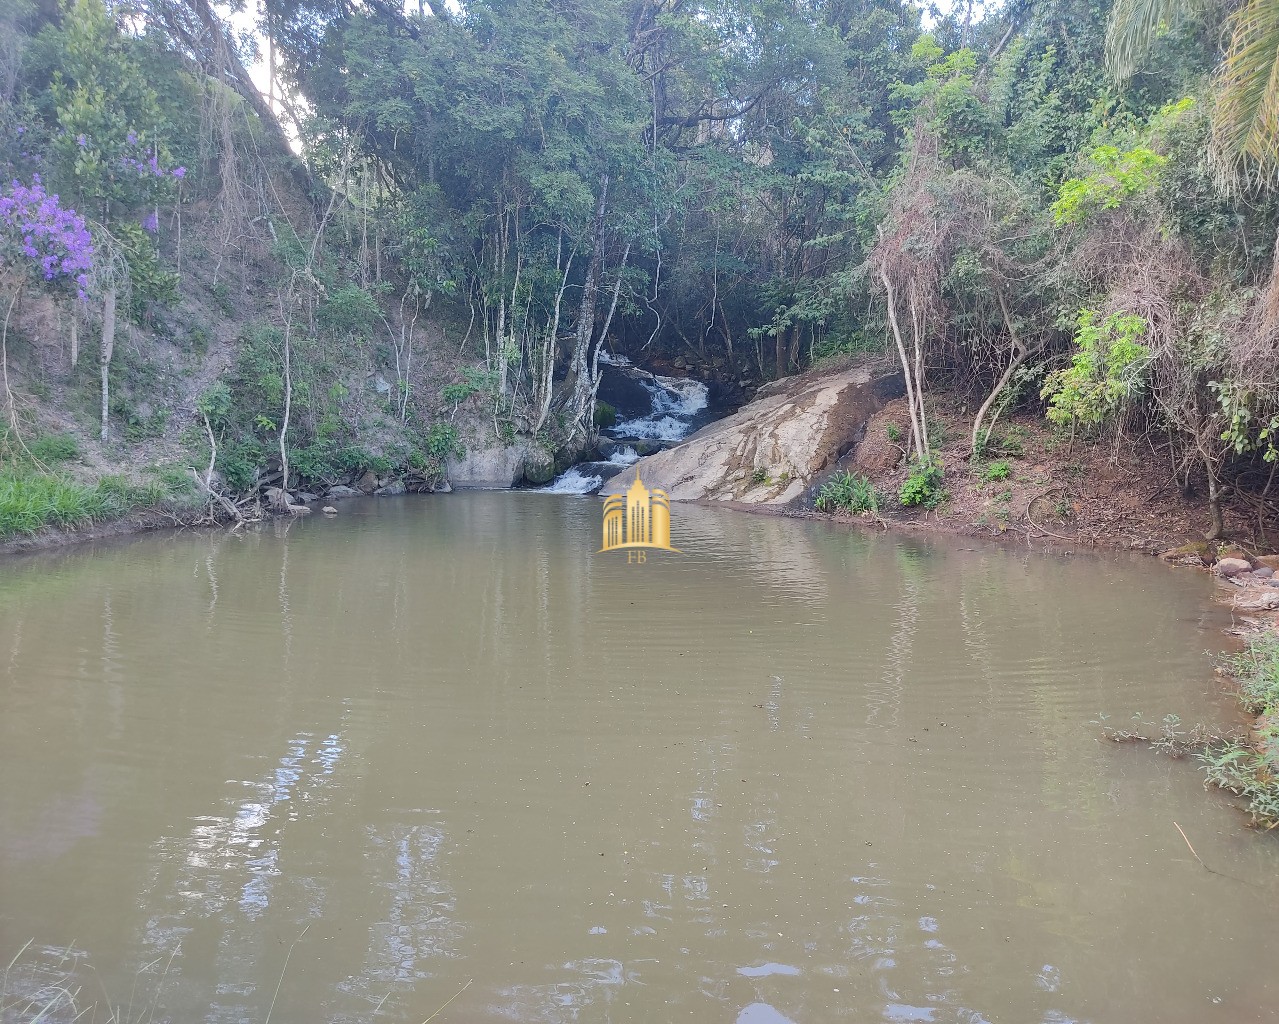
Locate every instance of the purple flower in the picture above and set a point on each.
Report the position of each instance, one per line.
(53, 238)
(132, 138)
(81, 141)
(179, 172)
(150, 224)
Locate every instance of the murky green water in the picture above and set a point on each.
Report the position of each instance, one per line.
(796, 774)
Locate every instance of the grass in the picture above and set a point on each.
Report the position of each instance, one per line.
(849, 493)
(31, 500)
(1253, 771)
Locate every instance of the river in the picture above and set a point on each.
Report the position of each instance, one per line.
(439, 749)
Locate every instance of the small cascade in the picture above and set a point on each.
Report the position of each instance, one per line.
(653, 411)
(675, 405)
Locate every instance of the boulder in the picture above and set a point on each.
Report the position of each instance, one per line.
(497, 467)
(770, 450)
(368, 483)
(1268, 561)
(1232, 567)
(394, 488)
(342, 491)
(1257, 600)
(329, 510)
(539, 466)
(306, 497)
(1264, 572)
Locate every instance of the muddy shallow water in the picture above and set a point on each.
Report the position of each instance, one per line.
(795, 774)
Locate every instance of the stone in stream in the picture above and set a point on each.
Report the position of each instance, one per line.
(1256, 601)
(329, 510)
(395, 487)
(773, 448)
(1232, 567)
(342, 491)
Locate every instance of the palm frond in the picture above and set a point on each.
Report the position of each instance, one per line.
(1133, 28)
(1245, 135)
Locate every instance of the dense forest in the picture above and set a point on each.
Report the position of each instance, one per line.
(1045, 204)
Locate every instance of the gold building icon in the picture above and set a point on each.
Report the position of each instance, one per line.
(640, 518)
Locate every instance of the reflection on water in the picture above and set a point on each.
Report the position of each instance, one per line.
(437, 749)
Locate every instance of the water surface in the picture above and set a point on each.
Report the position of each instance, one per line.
(796, 774)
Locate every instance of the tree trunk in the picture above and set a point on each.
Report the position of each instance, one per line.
(915, 429)
(1217, 526)
(108, 347)
(579, 372)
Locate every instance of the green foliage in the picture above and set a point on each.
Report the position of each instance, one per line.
(1248, 429)
(1108, 369)
(444, 442)
(996, 471)
(1244, 769)
(32, 500)
(849, 493)
(348, 312)
(923, 487)
(894, 433)
(476, 380)
(1118, 176)
(51, 449)
(759, 476)
(605, 415)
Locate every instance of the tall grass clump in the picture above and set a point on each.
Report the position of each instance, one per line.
(847, 493)
(1248, 770)
(31, 500)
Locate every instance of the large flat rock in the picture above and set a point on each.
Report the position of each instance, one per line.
(771, 449)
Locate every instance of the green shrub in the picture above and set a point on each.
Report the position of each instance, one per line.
(348, 312)
(443, 442)
(849, 493)
(1109, 367)
(760, 476)
(997, 471)
(894, 433)
(923, 487)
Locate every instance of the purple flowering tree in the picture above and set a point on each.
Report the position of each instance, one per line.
(40, 238)
(52, 240)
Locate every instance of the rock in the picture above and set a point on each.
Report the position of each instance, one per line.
(539, 466)
(443, 487)
(306, 497)
(1232, 566)
(497, 467)
(1257, 601)
(342, 491)
(796, 427)
(1268, 562)
(279, 500)
(1265, 572)
(1197, 552)
(381, 385)
(368, 483)
(329, 510)
(395, 487)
